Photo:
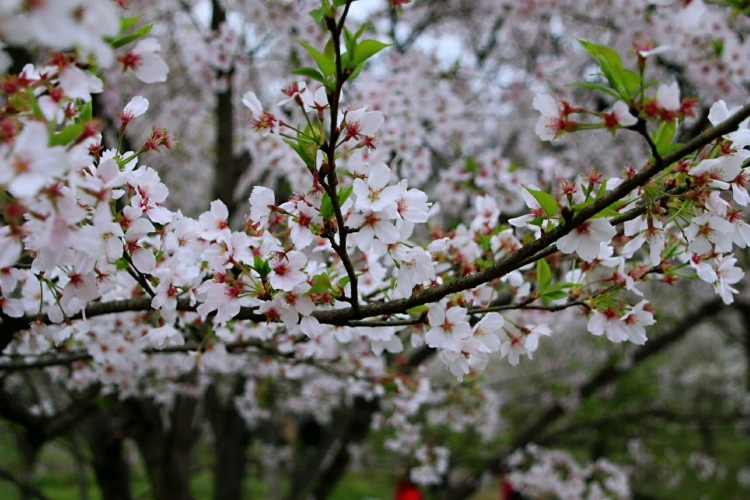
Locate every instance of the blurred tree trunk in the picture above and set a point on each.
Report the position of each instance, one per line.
(231, 438)
(111, 467)
(166, 445)
(325, 467)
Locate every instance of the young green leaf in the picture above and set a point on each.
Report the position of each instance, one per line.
(261, 266)
(126, 39)
(545, 200)
(311, 73)
(326, 206)
(326, 64)
(321, 284)
(663, 136)
(344, 194)
(66, 135)
(366, 49)
(543, 274)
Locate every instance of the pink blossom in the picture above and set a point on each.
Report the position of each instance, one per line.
(668, 96)
(286, 270)
(707, 232)
(586, 239)
(29, 163)
(143, 61)
(80, 84)
(137, 106)
(447, 327)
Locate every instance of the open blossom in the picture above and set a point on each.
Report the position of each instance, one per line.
(727, 274)
(415, 268)
(286, 270)
(487, 330)
(261, 120)
(226, 298)
(522, 342)
(619, 116)
(647, 229)
(719, 112)
(144, 62)
(137, 106)
(315, 101)
(80, 84)
(29, 163)
(609, 322)
(447, 327)
(586, 239)
(668, 96)
(214, 225)
(411, 205)
(360, 123)
(636, 320)
(163, 336)
(707, 232)
(720, 171)
(262, 200)
(533, 204)
(553, 123)
(63, 25)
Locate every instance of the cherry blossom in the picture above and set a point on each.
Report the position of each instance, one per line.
(707, 232)
(448, 327)
(25, 166)
(144, 62)
(586, 239)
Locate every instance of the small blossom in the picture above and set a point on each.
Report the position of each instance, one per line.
(143, 61)
(448, 327)
(586, 239)
(619, 117)
(137, 106)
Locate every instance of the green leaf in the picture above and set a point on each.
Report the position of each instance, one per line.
(357, 71)
(608, 212)
(624, 82)
(366, 49)
(557, 291)
(121, 264)
(305, 150)
(124, 40)
(602, 189)
(554, 294)
(350, 41)
(321, 284)
(344, 194)
(543, 274)
(545, 200)
(66, 135)
(663, 136)
(596, 86)
(86, 112)
(261, 266)
(318, 14)
(632, 82)
(325, 63)
(326, 207)
(311, 73)
(128, 22)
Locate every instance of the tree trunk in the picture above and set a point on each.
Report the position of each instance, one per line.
(231, 440)
(166, 450)
(327, 465)
(111, 468)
